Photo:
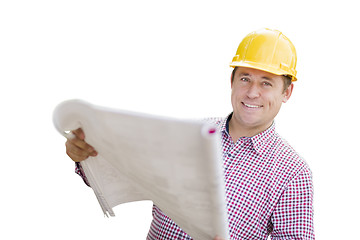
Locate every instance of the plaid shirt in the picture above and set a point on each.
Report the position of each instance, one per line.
(268, 187)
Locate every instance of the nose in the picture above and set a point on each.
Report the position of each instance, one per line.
(253, 91)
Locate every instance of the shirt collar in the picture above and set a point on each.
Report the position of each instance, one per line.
(259, 141)
(224, 127)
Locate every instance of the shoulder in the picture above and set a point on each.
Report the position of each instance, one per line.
(291, 162)
(219, 122)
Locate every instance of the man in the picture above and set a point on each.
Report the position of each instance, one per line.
(268, 185)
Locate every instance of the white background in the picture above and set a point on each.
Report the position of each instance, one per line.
(168, 58)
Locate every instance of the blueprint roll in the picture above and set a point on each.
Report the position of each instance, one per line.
(67, 115)
(175, 163)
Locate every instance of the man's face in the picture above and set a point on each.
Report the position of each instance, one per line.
(257, 97)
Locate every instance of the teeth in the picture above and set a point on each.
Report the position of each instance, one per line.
(251, 106)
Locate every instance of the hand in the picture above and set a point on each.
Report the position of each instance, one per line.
(77, 149)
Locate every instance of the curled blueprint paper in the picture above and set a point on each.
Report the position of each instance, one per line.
(174, 163)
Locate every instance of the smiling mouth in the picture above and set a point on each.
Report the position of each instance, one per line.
(252, 106)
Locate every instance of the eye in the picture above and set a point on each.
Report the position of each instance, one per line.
(244, 79)
(267, 84)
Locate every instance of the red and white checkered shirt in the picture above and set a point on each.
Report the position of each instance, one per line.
(268, 187)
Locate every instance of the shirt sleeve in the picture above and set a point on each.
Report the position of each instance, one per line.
(79, 170)
(293, 215)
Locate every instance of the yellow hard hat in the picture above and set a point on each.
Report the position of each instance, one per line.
(267, 50)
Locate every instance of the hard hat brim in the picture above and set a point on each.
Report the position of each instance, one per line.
(263, 68)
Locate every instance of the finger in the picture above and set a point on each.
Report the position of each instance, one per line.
(77, 154)
(80, 148)
(81, 144)
(79, 133)
(79, 141)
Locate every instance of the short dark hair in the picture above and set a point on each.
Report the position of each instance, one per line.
(287, 81)
(286, 78)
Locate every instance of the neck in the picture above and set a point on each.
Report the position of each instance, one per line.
(237, 131)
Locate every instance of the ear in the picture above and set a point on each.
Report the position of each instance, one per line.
(232, 76)
(287, 93)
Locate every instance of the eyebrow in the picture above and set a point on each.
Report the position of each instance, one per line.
(267, 78)
(264, 77)
(244, 74)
